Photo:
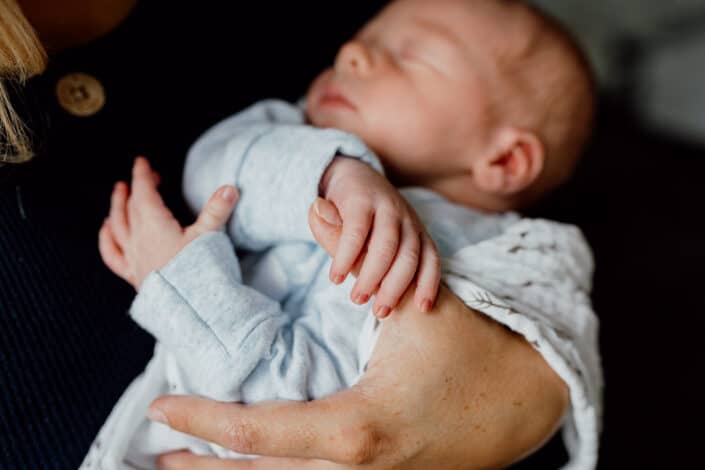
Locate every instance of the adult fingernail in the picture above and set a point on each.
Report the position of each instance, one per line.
(228, 194)
(155, 414)
(327, 212)
(383, 312)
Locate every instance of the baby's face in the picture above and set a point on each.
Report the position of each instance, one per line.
(414, 85)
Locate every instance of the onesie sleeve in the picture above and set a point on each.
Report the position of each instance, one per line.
(535, 278)
(225, 335)
(276, 161)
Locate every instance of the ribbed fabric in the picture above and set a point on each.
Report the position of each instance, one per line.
(65, 349)
(67, 346)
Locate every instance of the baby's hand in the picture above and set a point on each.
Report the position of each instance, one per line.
(141, 234)
(377, 219)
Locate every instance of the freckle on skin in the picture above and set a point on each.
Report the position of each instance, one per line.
(517, 403)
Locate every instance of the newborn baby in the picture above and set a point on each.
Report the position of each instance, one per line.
(475, 108)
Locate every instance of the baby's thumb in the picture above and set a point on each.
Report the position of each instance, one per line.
(326, 224)
(217, 210)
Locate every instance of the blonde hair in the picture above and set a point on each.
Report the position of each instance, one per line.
(21, 57)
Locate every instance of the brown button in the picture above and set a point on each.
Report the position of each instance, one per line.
(80, 94)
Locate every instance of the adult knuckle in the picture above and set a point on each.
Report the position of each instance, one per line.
(243, 437)
(362, 445)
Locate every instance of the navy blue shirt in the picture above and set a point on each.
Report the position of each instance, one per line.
(67, 347)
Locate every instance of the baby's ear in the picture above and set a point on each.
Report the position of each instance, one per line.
(514, 161)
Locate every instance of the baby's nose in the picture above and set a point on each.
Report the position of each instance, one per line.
(354, 57)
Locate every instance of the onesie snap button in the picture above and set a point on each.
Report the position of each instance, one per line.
(80, 94)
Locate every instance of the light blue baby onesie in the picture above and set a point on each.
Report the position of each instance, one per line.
(271, 325)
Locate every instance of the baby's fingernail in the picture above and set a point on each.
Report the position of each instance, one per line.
(155, 414)
(383, 312)
(361, 298)
(228, 194)
(337, 278)
(426, 305)
(327, 212)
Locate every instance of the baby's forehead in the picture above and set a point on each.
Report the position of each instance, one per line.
(484, 29)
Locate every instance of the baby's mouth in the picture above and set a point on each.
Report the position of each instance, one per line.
(333, 97)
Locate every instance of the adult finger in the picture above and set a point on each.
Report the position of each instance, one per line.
(333, 428)
(187, 461)
(356, 227)
(110, 252)
(400, 274)
(217, 210)
(383, 245)
(429, 275)
(325, 224)
(118, 213)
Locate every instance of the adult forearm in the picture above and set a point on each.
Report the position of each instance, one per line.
(520, 401)
(493, 398)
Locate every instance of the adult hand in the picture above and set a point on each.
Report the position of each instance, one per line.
(448, 390)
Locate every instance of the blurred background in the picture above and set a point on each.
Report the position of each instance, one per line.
(652, 51)
(639, 197)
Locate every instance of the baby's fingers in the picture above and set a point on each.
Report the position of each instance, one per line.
(118, 213)
(401, 273)
(356, 226)
(429, 275)
(216, 212)
(144, 187)
(383, 245)
(111, 254)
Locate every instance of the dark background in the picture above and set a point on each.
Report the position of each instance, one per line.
(639, 196)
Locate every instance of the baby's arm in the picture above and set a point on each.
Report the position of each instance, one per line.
(191, 298)
(281, 165)
(233, 343)
(276, 161)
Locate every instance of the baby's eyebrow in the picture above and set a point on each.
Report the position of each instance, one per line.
(438, 33)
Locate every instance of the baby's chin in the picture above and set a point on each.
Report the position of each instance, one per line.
(321, 116)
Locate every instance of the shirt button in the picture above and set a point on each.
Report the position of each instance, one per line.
(80, 94)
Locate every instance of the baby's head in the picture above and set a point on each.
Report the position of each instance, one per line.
(485, 101)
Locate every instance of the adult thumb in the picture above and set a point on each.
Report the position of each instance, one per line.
(217, 210)
(326, 224)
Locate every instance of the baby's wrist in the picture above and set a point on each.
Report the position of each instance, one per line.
(339, 164)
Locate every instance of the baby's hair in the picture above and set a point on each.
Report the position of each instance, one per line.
(556, 86)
